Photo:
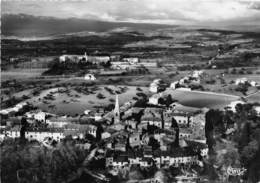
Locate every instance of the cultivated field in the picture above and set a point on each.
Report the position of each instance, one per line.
(201, 99)
(72, 102)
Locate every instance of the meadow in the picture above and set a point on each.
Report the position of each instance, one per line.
(201, 99)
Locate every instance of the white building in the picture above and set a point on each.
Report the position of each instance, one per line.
(197, 73)
(233, 104)
(183, 119)
(257, 109)
(57, 122)
(154, 99)
(253, 83)
(41, 135)
(241, 81)
(131, 60)
(14, 109)
(120, 65)
(185, 133)
(37, 115)
(174, 85)
(73, 58)
(37, 134)
(89, 77)
(156, 86)
(134, 140)
(105, 135)
(98, 59)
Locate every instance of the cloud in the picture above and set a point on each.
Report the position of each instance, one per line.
(156, 11)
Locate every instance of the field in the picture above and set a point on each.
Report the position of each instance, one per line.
(21, 74)
(72, 102)
(201, 99)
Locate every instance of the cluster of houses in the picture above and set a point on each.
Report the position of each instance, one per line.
(134, 145)
(145, 157)
(193, 78)
(85, 57)
(157, 86)
(117, 63)
(18, 107)
(245, 81)
(143, 136)
(135, 148)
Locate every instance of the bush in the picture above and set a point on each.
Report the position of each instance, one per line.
(100, 96)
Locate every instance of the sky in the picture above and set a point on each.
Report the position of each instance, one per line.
(149, 11)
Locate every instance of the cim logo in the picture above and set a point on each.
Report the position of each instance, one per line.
(235, 171)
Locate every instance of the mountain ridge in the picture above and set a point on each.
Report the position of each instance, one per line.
(24, 25)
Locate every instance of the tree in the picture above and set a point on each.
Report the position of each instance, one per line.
(154, 143)
(213, 121)
(99, 132)
(24, 125)
(176, 128)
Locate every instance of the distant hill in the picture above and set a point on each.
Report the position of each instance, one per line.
(23, 25)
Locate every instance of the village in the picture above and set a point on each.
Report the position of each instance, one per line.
(153, 131)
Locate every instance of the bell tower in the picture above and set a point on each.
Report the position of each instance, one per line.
(116, 111)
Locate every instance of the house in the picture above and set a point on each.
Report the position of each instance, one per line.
(98, 59)
(134, 140)
(39, 134)
(18, 107)
(197, 73)
(79, 130)
(134, 156)
(147, 151)
(183, 119)
(89, 77)
(131, 123)
(120, 161)
(147, 157)
(85, 146)
(58, 122)
(185, 133)
(148, 64)
(167, 118)
(233, 104)
(156, 86)
(154, 99)
(105, 135)
(131, 60)
(241, 81)
(174, 85)
(257, 109)
(72, 58)
(14, 132)
(152, 116)
(253, 83)
(199, 118)
(117, 126)
(146, 162)
(184, 80)
(98, 116)
(120, 146)
(244, 81)
(36, 115)
(175, 157)
(120, 65)
(184, 89)
(92, 130)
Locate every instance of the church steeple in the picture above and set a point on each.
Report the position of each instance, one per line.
(116, 111)
(85, 56)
